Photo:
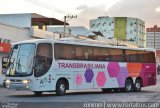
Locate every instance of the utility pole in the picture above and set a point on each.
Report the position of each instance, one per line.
(117, 42)
(65, 20)
(64, 26)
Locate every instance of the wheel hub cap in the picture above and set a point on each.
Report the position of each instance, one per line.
(137, 85)
(129, 87)
(62, 88)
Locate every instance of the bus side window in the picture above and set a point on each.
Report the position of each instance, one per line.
(69, 52)
(43, 59)
(79, 52)
(107, 54)
(58, 49)
(117, 55)
(95, 54)
(107, 57)
(88, 53)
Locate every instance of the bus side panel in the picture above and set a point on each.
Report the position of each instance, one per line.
(83, 79)
(113, 77)
(123, 75)
(96, 77)
(42, 83)
(148, 74)
(134, 69)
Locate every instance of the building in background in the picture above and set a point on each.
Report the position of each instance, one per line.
(153, 37)
(123, 28)
(8, 35)
(153, 40)
(72, 31)
(19, 27)
(36, 23)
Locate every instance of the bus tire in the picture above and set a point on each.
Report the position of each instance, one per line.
(60, 87)
(128, 85)
(38, 93)
(137, 85)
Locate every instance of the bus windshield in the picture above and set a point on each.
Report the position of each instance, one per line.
(21, 60)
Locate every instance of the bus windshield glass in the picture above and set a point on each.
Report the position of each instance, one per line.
(21, 60)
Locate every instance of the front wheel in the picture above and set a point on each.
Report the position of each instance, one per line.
(60, 88)
(128, 85)
(137, 85)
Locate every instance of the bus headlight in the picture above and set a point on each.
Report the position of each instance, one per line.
(8, 81)
(26, 81)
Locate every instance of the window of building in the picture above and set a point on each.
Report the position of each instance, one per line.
(104, 24)
(135, 30)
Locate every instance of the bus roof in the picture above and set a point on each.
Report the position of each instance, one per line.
(84, 42)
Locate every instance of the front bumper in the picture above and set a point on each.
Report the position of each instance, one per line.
(18, 87)
(13, 85)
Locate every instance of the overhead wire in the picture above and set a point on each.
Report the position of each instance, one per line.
(61, 11)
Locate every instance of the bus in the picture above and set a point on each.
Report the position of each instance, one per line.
(46, 65)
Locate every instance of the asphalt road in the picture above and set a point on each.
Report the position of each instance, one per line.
(77, 99)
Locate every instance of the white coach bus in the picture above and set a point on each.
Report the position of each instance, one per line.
(45, 65)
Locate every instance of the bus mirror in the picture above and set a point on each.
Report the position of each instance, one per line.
(5, 62)
(35, 67)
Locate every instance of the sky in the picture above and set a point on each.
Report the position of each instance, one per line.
(146, 10)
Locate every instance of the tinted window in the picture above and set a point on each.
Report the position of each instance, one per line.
(149, 57)
(131, 55)
(140, 56)
(101, 54)
(43, 59)
(116, 55)
(88, 53)
(79, 52)
(64, 51)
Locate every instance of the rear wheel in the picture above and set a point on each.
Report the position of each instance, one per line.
(38, 93)
(61, 88)
(128, 85)
(137, 85)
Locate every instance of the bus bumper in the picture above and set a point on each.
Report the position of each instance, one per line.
(17, 85)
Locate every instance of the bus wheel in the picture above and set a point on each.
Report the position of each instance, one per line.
(137, 85)
(128, 85)
(38, 93)
(60, 88)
